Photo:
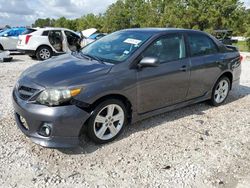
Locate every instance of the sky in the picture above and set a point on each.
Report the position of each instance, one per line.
(25, 12)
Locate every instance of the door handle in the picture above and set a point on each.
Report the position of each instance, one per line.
(183, 68)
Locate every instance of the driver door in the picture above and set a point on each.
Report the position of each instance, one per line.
(168, 83)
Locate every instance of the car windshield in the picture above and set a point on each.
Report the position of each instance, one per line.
(5, 32)
(13, 32)
(116, 47)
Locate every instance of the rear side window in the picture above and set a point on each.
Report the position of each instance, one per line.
(167, 48)
(45, 33)
(201, 45)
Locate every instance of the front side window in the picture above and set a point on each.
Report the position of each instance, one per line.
(167, 48)
(201, 45)
(116, 47)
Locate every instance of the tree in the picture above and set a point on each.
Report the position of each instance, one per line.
(90, 21)
(116, 17)
(206, 15)
(43, 22)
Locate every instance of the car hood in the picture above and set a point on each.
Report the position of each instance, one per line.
(88, 32)
(64, 71)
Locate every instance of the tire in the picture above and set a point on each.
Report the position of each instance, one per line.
(1, 48)
(108, 128)
(220, 91)
(43, 53)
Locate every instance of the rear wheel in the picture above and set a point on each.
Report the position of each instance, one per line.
(43, 53)
(220, 91)
(107, 121)
(1, 48)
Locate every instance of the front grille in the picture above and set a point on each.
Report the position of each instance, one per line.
(26, 93)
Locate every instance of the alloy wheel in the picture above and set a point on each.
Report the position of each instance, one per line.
(221, 91)
(44, 53)
(109, 122)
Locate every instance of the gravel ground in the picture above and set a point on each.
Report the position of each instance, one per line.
(196, 146)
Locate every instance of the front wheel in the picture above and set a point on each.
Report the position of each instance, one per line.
(107, 121)
(220, 91)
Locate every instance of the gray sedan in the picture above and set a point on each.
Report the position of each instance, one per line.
(122, 78)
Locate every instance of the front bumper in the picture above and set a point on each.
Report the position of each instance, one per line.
(66, 122)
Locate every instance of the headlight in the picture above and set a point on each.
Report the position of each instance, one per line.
(53, 97)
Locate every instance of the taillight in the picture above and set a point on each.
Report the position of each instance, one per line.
(27, 39)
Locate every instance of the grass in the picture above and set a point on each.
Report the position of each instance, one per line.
(242, 45)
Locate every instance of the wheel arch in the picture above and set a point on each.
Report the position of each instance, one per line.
(45, 45)
(229, 75)
(120, 97)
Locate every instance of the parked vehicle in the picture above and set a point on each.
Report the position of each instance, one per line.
(96, 36)
(122, 78)
(90, 35)
(9, 38)
(225, 36)
(5, 56)
(43, 43)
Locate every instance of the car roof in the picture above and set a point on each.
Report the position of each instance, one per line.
(155, 30)
(51, 28)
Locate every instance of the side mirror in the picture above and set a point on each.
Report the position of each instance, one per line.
(149, 62)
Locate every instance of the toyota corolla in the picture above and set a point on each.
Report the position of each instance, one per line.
(122, 78)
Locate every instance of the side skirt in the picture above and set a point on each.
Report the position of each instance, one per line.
(139, 117)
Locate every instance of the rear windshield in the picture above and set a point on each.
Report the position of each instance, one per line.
(28, 31)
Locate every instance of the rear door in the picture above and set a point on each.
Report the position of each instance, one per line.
(205, 64)
(56, 40)
(168, 83)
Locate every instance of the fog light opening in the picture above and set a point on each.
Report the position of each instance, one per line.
(45, 129)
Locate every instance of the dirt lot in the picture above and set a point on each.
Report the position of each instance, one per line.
(197, 146)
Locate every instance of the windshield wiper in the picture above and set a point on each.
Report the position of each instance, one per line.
(91, 57)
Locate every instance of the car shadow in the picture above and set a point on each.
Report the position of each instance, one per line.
(86, 146)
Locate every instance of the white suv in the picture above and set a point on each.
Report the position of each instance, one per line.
(43, 43)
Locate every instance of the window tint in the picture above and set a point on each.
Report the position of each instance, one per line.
(167, 48)
(201, 45)
(45, 33)
(55, 34)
